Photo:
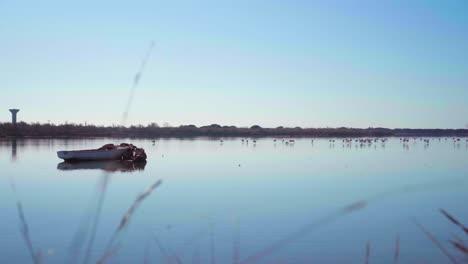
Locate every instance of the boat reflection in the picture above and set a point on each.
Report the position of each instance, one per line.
(109, 166)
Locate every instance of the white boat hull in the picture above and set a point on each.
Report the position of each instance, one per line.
(94, 154)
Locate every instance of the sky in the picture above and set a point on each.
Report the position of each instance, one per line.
(246, 62)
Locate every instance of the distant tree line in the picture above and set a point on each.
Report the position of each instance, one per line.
(152, 130)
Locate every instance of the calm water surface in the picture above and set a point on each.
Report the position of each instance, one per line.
(230, 202)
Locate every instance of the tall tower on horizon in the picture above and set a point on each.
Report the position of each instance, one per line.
(13, 115)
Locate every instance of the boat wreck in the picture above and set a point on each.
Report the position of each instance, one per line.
(123, 151)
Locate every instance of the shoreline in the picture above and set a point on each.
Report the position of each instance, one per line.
(25, 130)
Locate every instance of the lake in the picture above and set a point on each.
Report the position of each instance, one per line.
(206, 201)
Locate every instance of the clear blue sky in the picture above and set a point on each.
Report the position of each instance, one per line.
(291, 63)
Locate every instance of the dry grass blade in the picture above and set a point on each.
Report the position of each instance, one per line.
(196, 256)
(354, 206)
(436, 243)
(191, 240)
(126, 218)
(146, 260)
(236, 244)
(212, 243)
(128, 215)
(161, 249)
(453, 220)
(168, 258)
(88, 225)
(75, 248)
(459, 246)
(24, 227)
(367, 252)
(255, 258)
(108, 254)
(397, 250)
(176, 259)
(435, 185)
(97, 214)
(25, 231)
(136, 80)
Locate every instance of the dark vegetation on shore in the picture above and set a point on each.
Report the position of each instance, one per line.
(154, 131)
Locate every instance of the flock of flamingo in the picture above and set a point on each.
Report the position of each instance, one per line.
(284, 141)
(360, 141)
(407, 139)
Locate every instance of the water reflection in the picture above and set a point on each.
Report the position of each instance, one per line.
(109, 166)
(13, 149)
(191, 219)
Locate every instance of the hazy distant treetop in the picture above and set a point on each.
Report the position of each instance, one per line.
(188, 126)
(256, 127)
(212, 126)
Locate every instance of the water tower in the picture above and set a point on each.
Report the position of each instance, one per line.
(13, 115)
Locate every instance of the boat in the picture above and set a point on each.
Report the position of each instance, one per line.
(92, 154)
(123, 151)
